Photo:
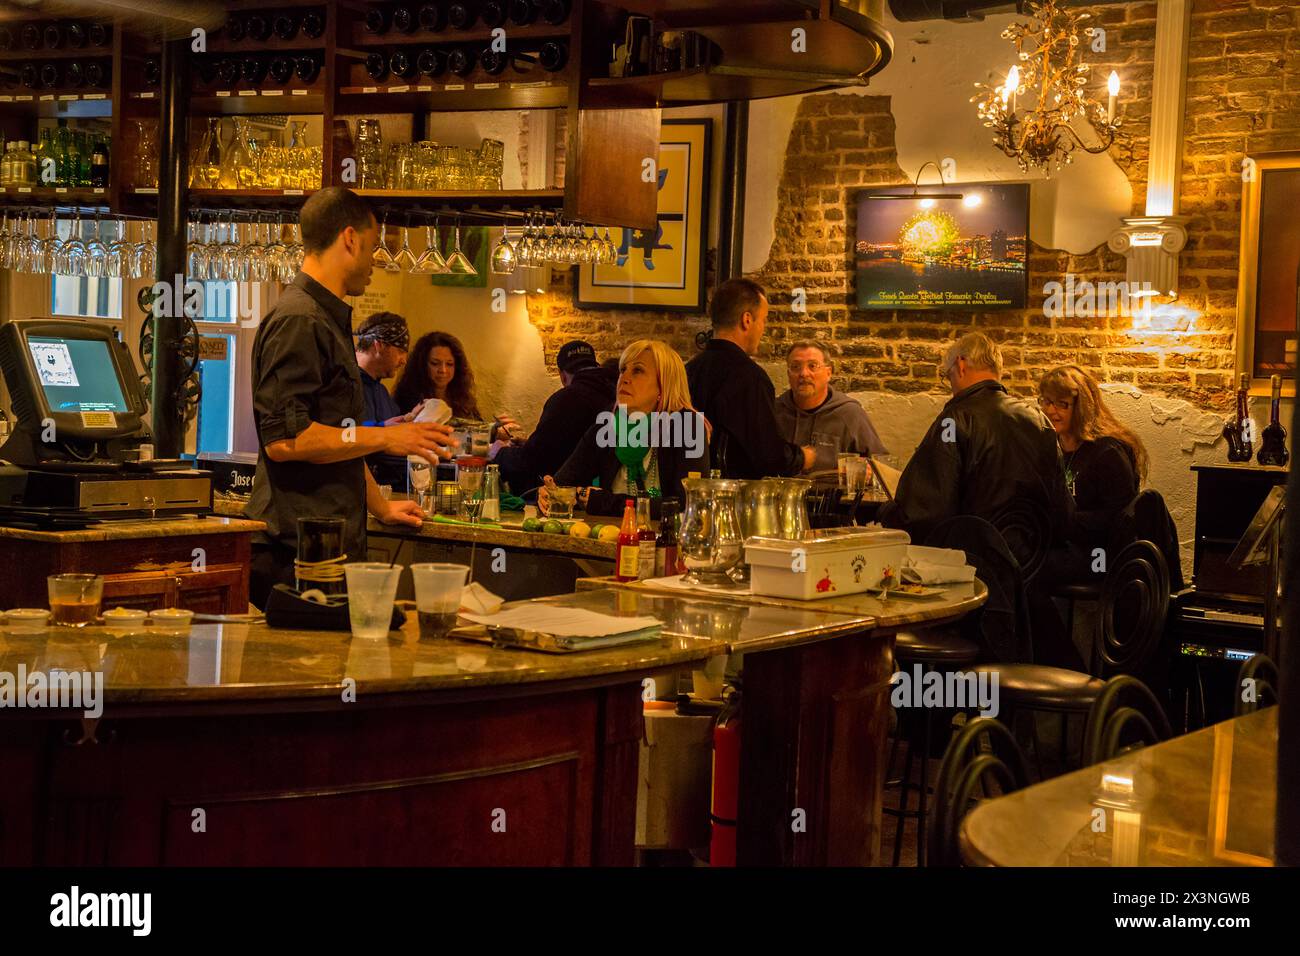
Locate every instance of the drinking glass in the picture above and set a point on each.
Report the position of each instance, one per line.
(74, 598)
(855, 475)
(562, 499)
(419, 480)
(372, 589)
(72, 254)
(438, 590)
(383, 258)
(405, 258)
(96, 253)
(841, 463)
(503, 256)
(431, 261)
(144, 261)
(469, 478)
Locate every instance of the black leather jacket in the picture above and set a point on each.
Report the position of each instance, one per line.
(983, 452)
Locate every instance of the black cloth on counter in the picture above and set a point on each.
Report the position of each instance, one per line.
(304, 370)
(590, 462)
(1102, 477)
(1001, 452)
(739, 400)
(566, 415)
(380, 407)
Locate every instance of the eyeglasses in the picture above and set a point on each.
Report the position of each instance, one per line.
(814, 367)
(1064, 404)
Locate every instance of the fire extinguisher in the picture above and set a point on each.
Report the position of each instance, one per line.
(726, 781)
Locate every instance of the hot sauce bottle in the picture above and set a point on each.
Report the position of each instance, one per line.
(627, 558)
(645, 539)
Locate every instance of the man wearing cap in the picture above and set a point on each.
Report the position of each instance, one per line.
(588, 390)
(382, 343)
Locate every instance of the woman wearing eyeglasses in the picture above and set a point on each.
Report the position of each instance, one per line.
(1105, 462)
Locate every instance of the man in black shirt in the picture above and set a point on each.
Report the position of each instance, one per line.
(587, 390)
(307, 399)
(735, 394)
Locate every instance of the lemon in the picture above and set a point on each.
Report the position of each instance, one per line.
(553, 527)
(580, 529)
(609, 533)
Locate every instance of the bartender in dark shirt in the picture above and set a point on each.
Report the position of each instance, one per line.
(736, 396)
(307, 399)
(382, 343)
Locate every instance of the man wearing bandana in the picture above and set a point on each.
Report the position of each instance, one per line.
(382, 343)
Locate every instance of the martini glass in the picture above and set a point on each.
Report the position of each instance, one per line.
(458, 262)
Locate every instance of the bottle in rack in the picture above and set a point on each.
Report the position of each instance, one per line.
(462, 14)
(258, 28)
(101, 34)
(494, 63)
(54, 36)
(1239, 431)
(30, 75)
(280, 71)
(431, 62)
(1272, 440)
(627, 555)
(553, 55)
(31, 36)
(98, 74)
(432, 17)
(523, 12)
(404, 20)
(75, 75)
(47, 159)
(7, 164)
(377, 67)
(285, 26)
(252, 70)
(401, 65)
(236, 29)
(555, 12)
(228, 72)
(51, 75)
(307, 68)
(493, 13)
(99, 163)
(152, 72)
(7, 38)
(78, 36)
(377, 21)
(313, 24)
(461, 62)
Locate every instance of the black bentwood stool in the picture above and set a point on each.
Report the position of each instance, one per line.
(1125, 716)
(984, 756)
(991, 631)
(1257, 684)
(1133, 605)
(1025, 528)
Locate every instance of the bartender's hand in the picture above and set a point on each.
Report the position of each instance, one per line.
(402, 512)
(425, 439)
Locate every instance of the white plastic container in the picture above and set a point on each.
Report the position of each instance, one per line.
(827, 563)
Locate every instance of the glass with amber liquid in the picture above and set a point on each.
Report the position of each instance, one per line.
(75, 598)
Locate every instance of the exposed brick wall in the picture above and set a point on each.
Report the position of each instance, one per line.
(1243, 95)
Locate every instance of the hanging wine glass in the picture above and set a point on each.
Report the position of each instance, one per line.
(50, 246)
(96, 252)
(296, 250)
(611, 250)
(228, 252)
(119, 254)
(383, 258)
(405, 257)
(278, 254)
(431, 262)
(146, 255)
(256, 253)
(74, 250)
(35, 247)
(196, 251)
(458, 262)
(503, 256)
(6, 250)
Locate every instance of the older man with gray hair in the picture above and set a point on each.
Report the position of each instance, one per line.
(984, 451)
(812, 413)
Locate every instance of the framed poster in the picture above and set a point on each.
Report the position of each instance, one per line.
(1268, 305)
(663, 269)
(914, 252)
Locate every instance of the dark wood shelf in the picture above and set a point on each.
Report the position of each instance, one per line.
(51, 103)
(495, 197)
(53, 196)
(218, 43)
(261, 102)
(449, 37)
(468, 95)
(23, 56)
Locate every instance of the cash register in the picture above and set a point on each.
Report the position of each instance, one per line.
(80, 450)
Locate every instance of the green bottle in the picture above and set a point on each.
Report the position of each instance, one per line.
(47, 159)
(65, 174)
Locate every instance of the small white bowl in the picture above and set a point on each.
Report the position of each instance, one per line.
(27, 617)
(127, 617)
(175, 620)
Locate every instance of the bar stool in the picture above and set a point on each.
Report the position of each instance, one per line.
(935, 649)
(1125, 716)
(1260, 669)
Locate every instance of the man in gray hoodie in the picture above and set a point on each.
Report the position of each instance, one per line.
(811, 413)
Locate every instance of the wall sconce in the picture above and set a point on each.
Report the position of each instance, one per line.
(1151, 245)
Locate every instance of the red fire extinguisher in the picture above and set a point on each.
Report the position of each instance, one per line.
(726, 781)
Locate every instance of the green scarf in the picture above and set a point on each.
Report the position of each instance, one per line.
(631, 449)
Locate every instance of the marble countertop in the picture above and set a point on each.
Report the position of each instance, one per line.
(1204, 799)
(224, 662)
(957, 601)
(137, 529)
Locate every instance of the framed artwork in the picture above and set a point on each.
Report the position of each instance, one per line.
(1268, 305)
(916, 252)
(474, 244)
(663, 269)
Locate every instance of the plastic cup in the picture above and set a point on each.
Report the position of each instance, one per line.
(74, 598)
(372, 589)
(438, 589)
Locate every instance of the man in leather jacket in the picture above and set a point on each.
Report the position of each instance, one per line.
(984, 452)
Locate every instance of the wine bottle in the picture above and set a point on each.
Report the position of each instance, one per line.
(1272, 440)
(666, 548)
(53, 35)
(377, 21)
(493, 62)
(98, 73)
(75, 75)
(553, 55)
(252, 70)
(285, 26)
(6, 39)
(78, 36)
(377, 67)
(431, 62)
(259, 28)
(433, 17)
(493, 13)
(404, 20)
(313, 24)
(461, 62)
(31, 36)
(30, 75)
(228, 72)
(207, 67)
(236, 29)
(307, 69)
(281, 70)
(101, 34)
(51, 75)
(555, 12)
(99, 163)
(461, 14)
(152, 72)
(523, 12)
(1239, 431)
(401, 65)
(627, 556)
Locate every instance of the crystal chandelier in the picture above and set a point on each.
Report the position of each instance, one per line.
(1051, 74)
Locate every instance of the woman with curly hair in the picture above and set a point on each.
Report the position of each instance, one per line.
(438, 368)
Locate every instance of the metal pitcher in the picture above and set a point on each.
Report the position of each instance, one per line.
(710, 539)
(793, 506)
(759, 509)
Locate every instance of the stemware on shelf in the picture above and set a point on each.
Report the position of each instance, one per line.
(458, 262)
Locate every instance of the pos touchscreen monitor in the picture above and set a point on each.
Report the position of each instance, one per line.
(76, 375)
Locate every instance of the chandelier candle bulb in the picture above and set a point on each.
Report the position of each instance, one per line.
(1112, 87)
